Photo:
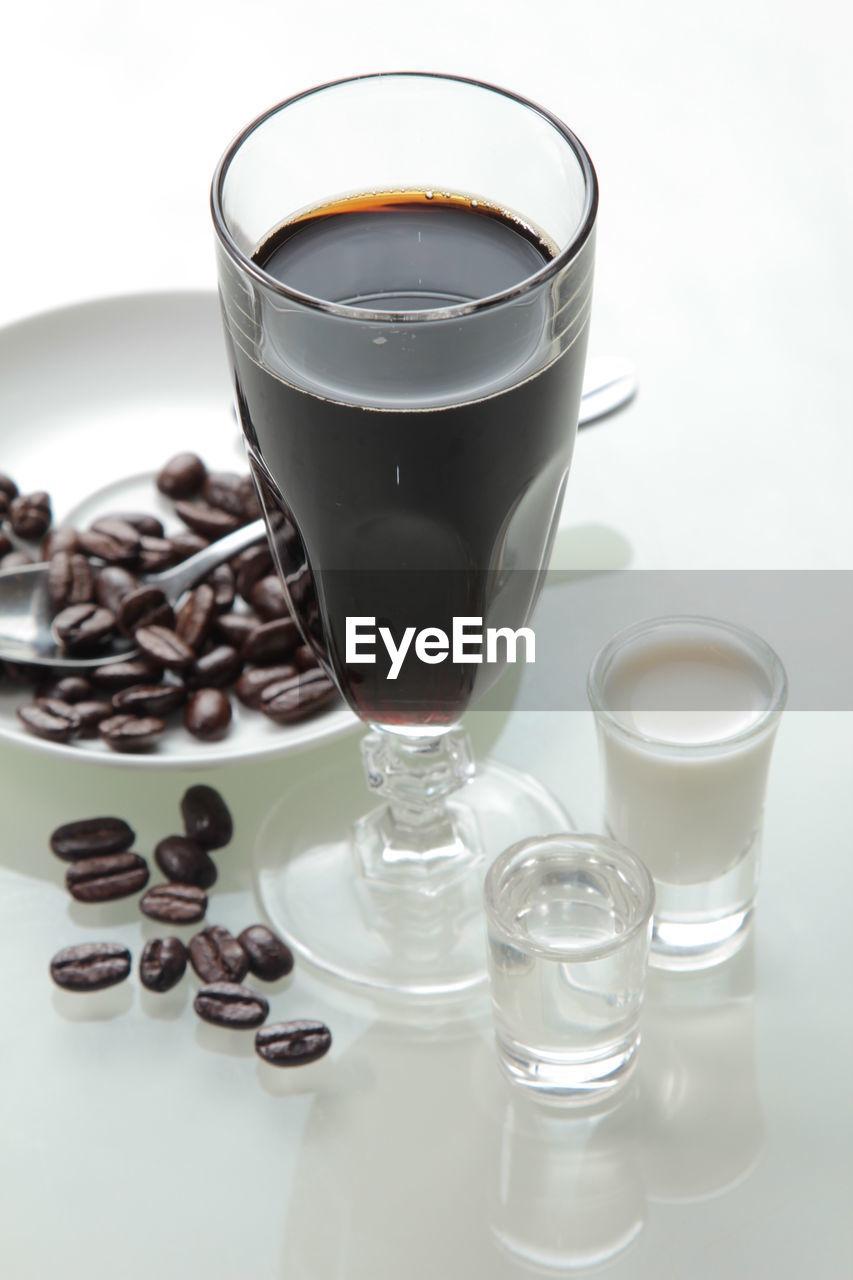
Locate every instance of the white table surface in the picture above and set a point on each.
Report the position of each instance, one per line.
(135, 1141)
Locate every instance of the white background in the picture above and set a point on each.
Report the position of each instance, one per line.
(722, 138)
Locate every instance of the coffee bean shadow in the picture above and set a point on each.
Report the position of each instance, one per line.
(167, 1005)
(93, 1006)
(227, 1041)
(104, 915)
(315, 1079)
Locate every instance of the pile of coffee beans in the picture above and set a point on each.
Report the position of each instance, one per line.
(102, 867)
(232, 634)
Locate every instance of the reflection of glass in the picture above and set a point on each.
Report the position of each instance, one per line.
(568, 1190)
(569, 922)
(700, 1122)
(405, 267)
(687, 711)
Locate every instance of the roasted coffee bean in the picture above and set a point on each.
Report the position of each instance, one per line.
(83, 626)
(144, 607)
(165, 648)
(142, 521)
(250, 566)
(50, 718)
(227, 1004)
(57, 540)
(295, 699)
(5, 544)
(15, 560)
(90, 966)
(195, 616)
(293, 1044)
(120, 531)
(305, 658)
(269, 957)
(108, 547)
(234, 628)
(69, 579)
(109, 876)
(112, 584)
(69, 689)
(149, 699)
(8, 486)
(155, 554)
(210, 522)
(267, 598)
(162, 964)
(232, 493)
(182, 476)
(174, 903)
(91, 838)
(131, 733)
(217, 956)
(91, 715)
(121, 675)
(185, 543)
(224, 588)
(30, 514)
(252, 682)
(185, 861)
(271, 642)
(214, 669)
(208, 714)
(206, 817)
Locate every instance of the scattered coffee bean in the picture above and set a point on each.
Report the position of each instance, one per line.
(207, 819)
(61, 539)
(195, 615)
(112, 584)
(185, 861)
(5, 544)
(214, 669)
(227, 1004)
(250, 566)
(235, 628)
(49, 718)
(232, 493)
(210, 522)
(288, 700)
(253, 681)
(224, 587)
(165, 648)
(272, 642)
(305, 658)
(182, 476)
(121, 675)
(269, 957)
(130, 733)
(8, 486)
(83, 626)
(91, 838)
(293, 1044)
(69, 688)
(217, 956)
(110, 548)
(90, 966)
(122, 533)
(143, 522)
(155, 554)
(30, 514)
(267, 599)
(185, 543)
(208, 714)
(162, 964)
(91, 715)
(144, 607)
(174, 903)
(106, 877)
(149, 699)
(69, 579)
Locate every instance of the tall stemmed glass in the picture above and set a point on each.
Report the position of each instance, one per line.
(405, 267)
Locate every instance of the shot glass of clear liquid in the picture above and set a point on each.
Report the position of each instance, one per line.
(569, 924)
(687, 710)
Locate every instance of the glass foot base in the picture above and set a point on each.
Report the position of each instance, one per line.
(568, 1082)
(401, 938)
(688, 945)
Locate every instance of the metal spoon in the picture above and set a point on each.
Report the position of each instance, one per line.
(26, 613)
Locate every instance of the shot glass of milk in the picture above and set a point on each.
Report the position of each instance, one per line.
(687, 710)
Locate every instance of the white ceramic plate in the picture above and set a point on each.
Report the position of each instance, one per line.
(110, 389)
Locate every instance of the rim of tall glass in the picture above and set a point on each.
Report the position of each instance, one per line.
(531, 282)
(579, 849)
(766, 656)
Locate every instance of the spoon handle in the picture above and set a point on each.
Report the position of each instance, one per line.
(174, 582)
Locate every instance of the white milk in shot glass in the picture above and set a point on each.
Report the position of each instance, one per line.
(687, 711)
